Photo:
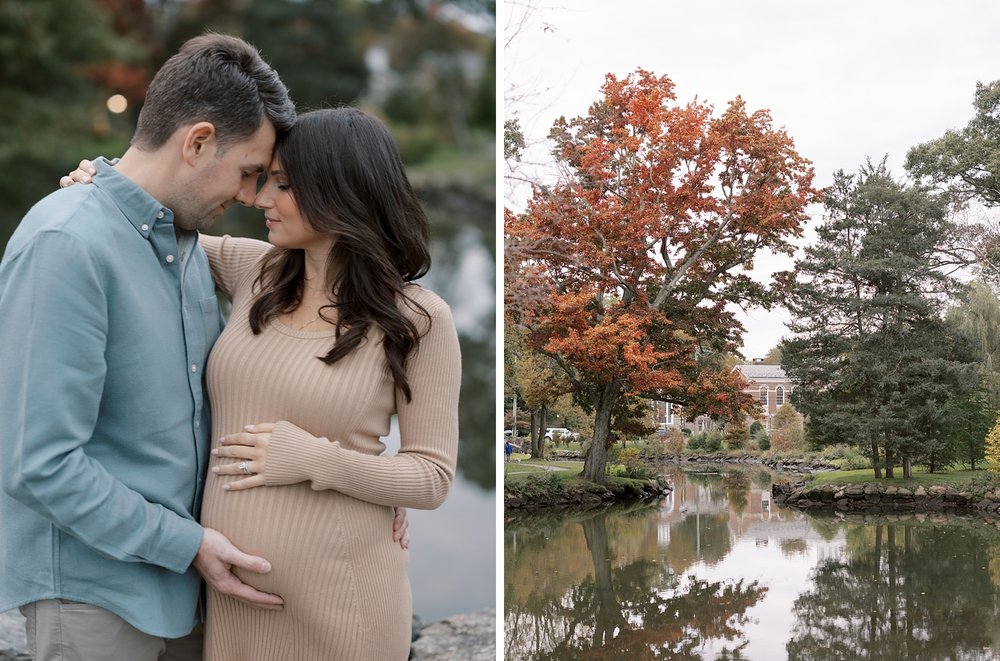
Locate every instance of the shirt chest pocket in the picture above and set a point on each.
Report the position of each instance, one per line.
(211, 318)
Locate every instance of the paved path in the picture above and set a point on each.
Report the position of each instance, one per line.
(544, 467)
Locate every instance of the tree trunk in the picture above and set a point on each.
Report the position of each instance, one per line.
(533, 432)
(875, 463)
(908, 468)
(893, 590)
(608, 616)
(597, 458)
(890, 459)
(538, 434)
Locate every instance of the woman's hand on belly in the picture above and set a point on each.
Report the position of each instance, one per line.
(248, 449)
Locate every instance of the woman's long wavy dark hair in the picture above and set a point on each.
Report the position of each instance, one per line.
(344, 171)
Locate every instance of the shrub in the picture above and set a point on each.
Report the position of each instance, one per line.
(981, 484)
(762, 439)
(737, 434)
(708, 441)
(629, 456)
(788, 432)
(992, 450)
(697, 441)
(654, 449)
(713, 441)
(784, 440)
(674, 442)
(845, 457)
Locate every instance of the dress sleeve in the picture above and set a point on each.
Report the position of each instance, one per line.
(52, 374)
(420, 475)
(230, 257)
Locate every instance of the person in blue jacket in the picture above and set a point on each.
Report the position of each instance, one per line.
(107, 315)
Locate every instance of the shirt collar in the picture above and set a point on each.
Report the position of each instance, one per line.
(140, 208)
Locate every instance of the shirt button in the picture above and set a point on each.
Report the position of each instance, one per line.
(170, 259)
(145, 227)
(194, 368)
(159, 215)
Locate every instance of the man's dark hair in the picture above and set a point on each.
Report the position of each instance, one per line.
(214, 78)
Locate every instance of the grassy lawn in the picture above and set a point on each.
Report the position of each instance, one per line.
(920, 477)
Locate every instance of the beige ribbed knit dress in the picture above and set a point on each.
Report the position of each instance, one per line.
(324, 520)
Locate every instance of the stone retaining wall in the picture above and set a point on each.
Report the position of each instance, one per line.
(780, 465)
(585, 496)
(882, 498)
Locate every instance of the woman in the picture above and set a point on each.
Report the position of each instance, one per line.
(326, 341)
(325, 332)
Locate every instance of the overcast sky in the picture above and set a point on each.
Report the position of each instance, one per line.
(848, 80)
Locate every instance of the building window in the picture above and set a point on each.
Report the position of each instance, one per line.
(670, 413)
(763, 396)
(779, 396)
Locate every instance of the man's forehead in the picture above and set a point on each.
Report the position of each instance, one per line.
(256, 153)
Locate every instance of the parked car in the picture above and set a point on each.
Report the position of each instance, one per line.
(560, 434)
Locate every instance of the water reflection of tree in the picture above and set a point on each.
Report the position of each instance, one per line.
(638, 610)
(901, 592)
(699, 538)
(737, 486)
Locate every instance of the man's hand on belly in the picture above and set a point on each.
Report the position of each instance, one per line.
(215, 560)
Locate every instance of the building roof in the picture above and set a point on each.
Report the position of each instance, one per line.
(760, 371)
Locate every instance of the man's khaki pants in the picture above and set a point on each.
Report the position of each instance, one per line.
(59, 630)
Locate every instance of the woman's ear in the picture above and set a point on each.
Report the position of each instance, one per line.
(199, 140)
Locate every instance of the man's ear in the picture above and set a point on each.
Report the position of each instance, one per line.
(199, 140)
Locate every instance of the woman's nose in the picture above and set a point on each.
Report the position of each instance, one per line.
(261, 201)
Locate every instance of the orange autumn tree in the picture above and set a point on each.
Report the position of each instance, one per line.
(625, 271)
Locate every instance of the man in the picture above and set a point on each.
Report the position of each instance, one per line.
(107, 314)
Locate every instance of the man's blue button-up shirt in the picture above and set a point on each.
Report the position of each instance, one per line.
(106, 319)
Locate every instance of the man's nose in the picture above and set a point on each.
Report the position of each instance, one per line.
(248, 191)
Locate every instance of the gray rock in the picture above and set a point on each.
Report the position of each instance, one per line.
(469, 637)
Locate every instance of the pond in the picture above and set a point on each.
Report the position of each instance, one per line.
(718, 571)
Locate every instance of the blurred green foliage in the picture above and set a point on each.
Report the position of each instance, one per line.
(426, 68)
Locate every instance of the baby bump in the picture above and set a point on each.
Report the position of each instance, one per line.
(312, 539)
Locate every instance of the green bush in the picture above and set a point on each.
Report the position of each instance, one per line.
(763, 440)
(981, 484)
(713, 441)
(845, 457)
(696, 441)
(708, 441)
(674, 442)
(629, 457)
(653, 450)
